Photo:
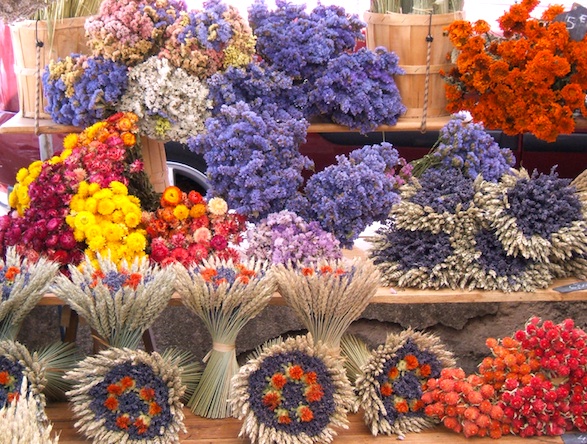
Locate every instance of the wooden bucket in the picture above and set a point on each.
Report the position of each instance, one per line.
(405, 34)
(155, 162)
(69, 37)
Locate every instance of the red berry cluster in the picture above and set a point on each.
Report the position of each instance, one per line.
(554, 398)
(465, 404)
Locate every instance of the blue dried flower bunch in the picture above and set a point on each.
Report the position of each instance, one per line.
(358, 90)
(300, 43)
(253, 158)
(82, 90)
(467, 146)
(358, 190)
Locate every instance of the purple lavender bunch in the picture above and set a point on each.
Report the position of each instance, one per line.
(285, 237)
(253, 158)
(358, 190)
(92, 95)
(300, 43)
(467, 146)
(358, 90)
(257, 84)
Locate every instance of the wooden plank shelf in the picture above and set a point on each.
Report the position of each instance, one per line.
(225, 431)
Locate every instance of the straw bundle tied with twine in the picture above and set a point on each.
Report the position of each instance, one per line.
(225, 295)
(119, 304)
(329, 297)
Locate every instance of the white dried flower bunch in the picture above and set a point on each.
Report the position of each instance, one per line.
(20, 422)
(329, 297)
(170, 103)
(143, 378)
(22, 285)
(119, 301)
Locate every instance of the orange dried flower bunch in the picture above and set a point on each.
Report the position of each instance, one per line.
(531, 79)
(465, 404)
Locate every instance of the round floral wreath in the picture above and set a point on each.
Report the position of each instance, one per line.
(16, 362)
(293, 392)
(393, 379)
(127, 395)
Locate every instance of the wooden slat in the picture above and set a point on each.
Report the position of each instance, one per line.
(225, 431)
(22, 125)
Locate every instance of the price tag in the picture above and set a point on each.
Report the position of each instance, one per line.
(576, 20)
(575, 286)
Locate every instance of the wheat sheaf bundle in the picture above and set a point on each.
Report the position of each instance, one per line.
(119, 302)
(327, 298)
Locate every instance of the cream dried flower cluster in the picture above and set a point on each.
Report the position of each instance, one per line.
(391, 379)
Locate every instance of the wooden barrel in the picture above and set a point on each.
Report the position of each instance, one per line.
(68, 38)
(405, 34)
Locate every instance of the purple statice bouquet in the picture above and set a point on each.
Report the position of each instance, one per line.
(82, 90)
(467, 146)
(358, 90)
(358, 190)
(285, 237)
(301, 43)
(257, 84)
(253, 157)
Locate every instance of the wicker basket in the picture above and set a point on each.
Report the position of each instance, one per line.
(69, 37)
(405, 34)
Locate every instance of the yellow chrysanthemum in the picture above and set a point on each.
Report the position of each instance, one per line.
(94, 188)
(79, 235)
(132, 219)
(134, 200)
(35, 168)
(181, 212)
(22, 174)
(77, 203)
(13, 199)
(136, 242)
(117, 216)
(83, 220)
(93, 231)
(65, 154)
(105, 206)
(97, 243)
(118, 188)
(83, 189)
(112, 232)
(70, 141)
(55, 160)
(91, 205)
(104, 193)
(92, 131)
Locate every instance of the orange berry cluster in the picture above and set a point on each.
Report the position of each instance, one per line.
(465, 404)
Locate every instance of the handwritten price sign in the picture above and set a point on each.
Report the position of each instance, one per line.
(576, 20)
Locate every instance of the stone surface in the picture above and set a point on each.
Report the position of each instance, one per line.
(462, 327)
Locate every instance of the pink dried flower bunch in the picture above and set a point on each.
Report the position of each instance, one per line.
(132, 31)
(465, 404)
